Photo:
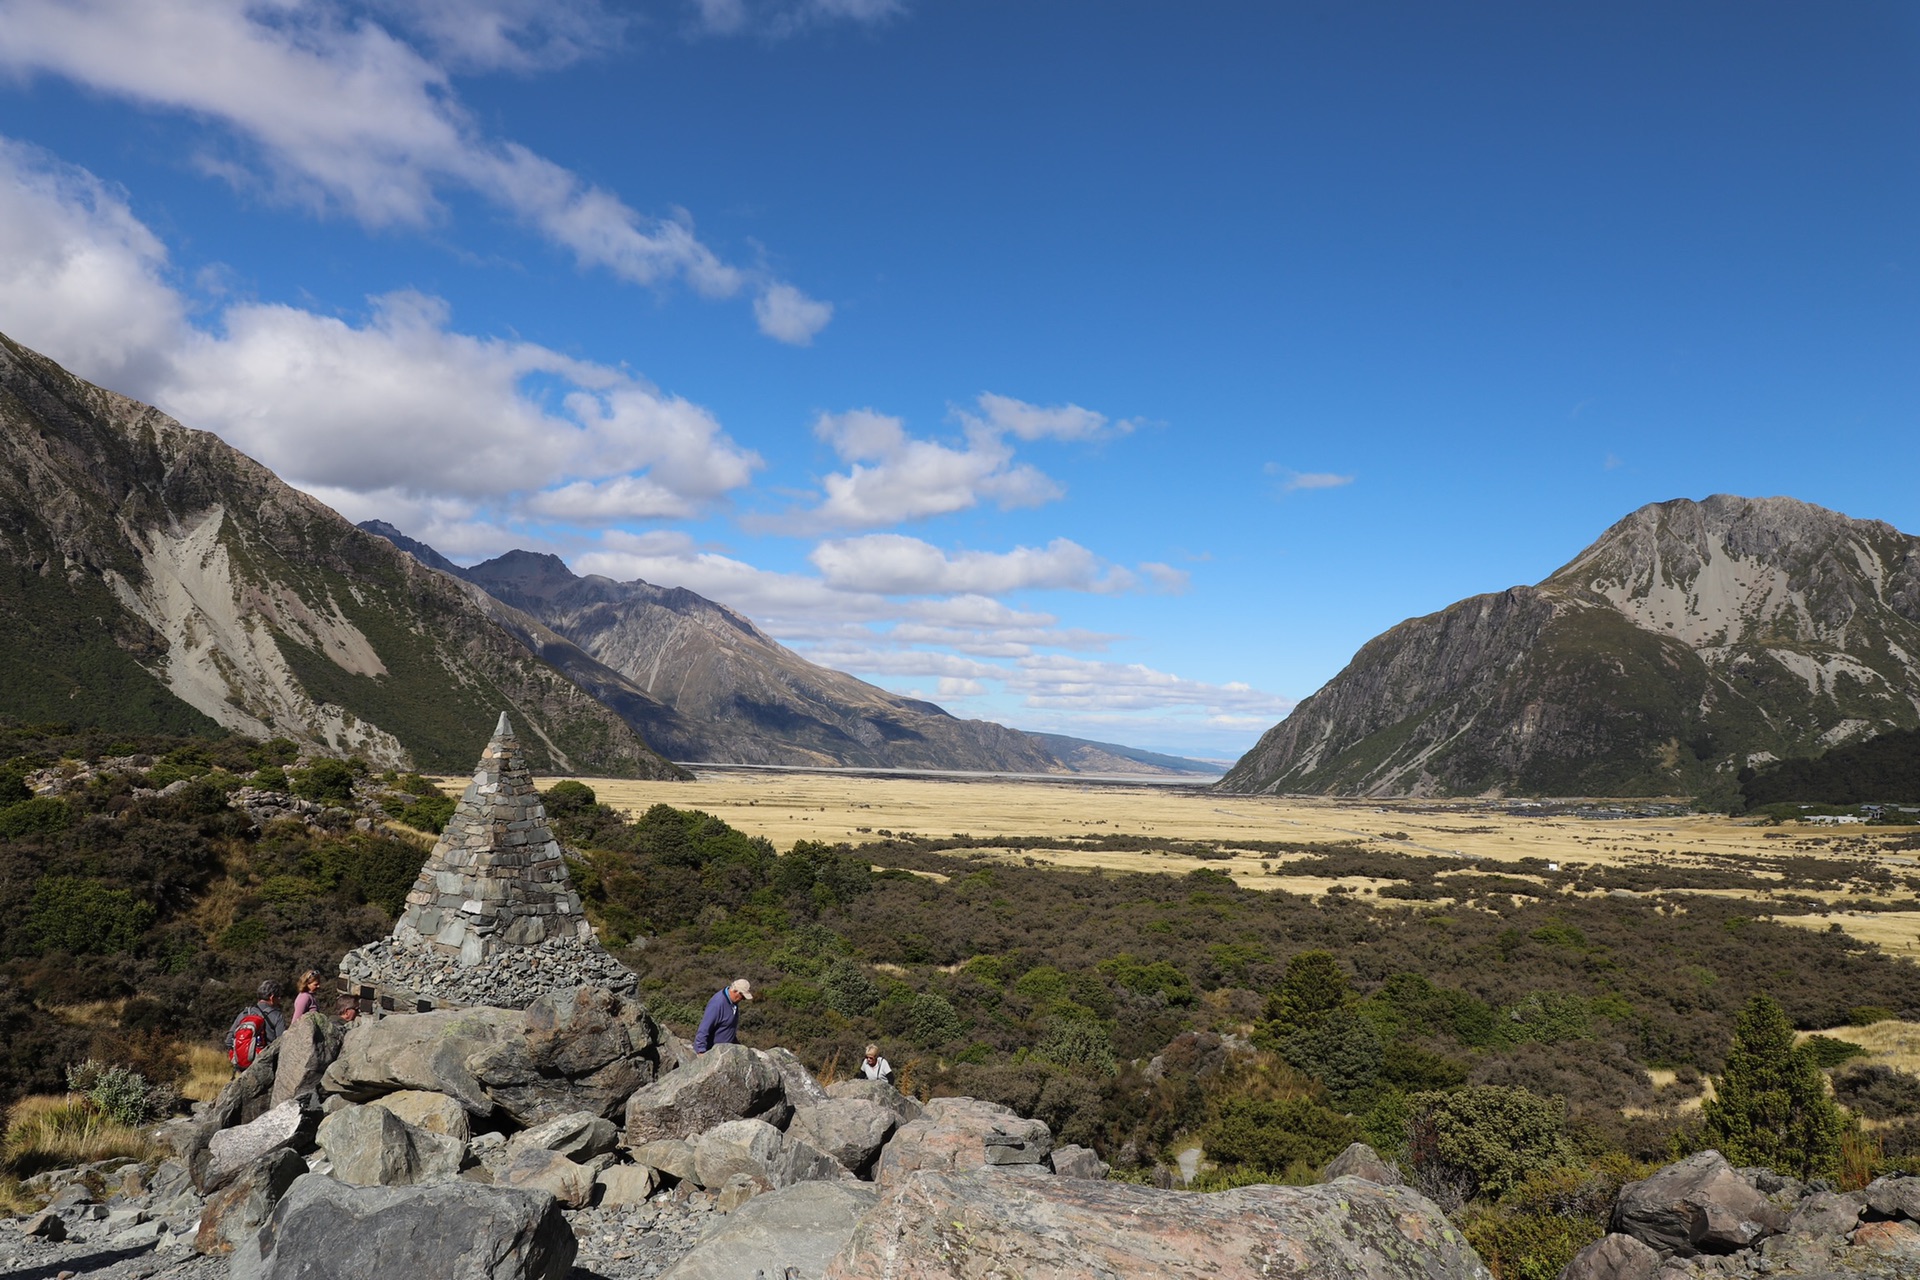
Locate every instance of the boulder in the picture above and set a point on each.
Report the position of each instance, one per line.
(538, 1169)
(737, 1190)
(851, 1130)
(306, 1051)
(45, 1225)
(236, 1212)
(324, 1229)
(434, 1112)
(1894, 1240)
(1613, 1257)
(670, 1156)
(1699, 1205)
(625, 1184)
(1894, 1198)
(794, 1231)
(1078, 1162)
(729, 1082)
(372, 1147)
(582, 1049)
(801, 1161)
(580, 1135)
(424, 1051)
(881, 1092)
(288, 1125)
(250, 1093)
(796, 1081)
(1825, 1213)
(1361, 1161)
(737, 1146)
(1042, 1228)
(958, 1134)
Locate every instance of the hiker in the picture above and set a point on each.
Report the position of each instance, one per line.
(718, 1023)
(875, 1067)
(307, 989)
(258, 1026)
(348, 1009)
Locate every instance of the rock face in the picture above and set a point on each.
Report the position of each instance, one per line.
(791, 1232)
(456, 1231)
(1692, 639)
(1700, 1205)
(1069, 1229)
(179, 586)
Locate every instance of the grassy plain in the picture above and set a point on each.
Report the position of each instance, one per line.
(860, 808)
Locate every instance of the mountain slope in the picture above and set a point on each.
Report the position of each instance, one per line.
(1691, 640)
(154, 578)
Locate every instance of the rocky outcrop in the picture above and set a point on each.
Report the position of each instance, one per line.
(1692, 639)
(959, 1134)
(1069, 1228)
(456, 1231)
(1700, 1205)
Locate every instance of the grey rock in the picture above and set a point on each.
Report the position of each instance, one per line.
(627, 1184)
(306, 1051)
(795, 1080)
(137, 1234)
(240, 1209)
(1078, 1162)
(583, 1049)
(1362, 1161)
(800, 1228)
(580, 1135)
(538, 1169)
(1826, 1213)
(737, 1190)
(1699, 1205)
(1613, 1257)
(46, 1225)
(671, 1156)
(425, 1051)
(1894, 1198)
(737, 1146)
(230, 1150)
(958, 1134)
(372, 1147)
(325, 1230)
(729, 1082)
(881, 1092)
(851, 1130)
(1044, 1228)
(801, 1161)
(434, 1112)
(250, 1093)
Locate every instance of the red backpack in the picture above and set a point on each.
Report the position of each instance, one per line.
(249, 1036)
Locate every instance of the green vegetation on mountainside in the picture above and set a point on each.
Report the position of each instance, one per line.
(1882, 770)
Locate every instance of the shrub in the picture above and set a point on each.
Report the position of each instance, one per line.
(931, 1021)
(1877, 1092)
(122, 1095)
(325, 781)
(1314, 985)
(272, 778)
(40, 816)
(1482, 1140)
(1080, 1043)
(1274, 1135)
(1526, 1244)
(1771, 1107)
(849, 990)
(1828, 1052)
(85, 917)
(1341, 1050)
(62, 1132)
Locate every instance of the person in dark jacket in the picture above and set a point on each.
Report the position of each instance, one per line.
(267, 1006)
(722, 1018)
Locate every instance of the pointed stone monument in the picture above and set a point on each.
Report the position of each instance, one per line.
(492, 918)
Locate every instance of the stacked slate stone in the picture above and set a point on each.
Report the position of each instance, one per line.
(492, 919)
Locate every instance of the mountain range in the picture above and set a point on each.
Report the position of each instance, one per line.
(153, 578)
(1691, 641)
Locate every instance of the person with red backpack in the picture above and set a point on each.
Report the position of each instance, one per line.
(258, 1026)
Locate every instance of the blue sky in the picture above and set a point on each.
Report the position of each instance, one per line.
(1111, 368)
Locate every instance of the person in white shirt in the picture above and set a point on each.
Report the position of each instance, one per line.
(875, 1067)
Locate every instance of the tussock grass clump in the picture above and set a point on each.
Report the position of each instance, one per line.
(208, 1072)
(59, 1131)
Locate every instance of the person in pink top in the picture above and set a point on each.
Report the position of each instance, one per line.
(303, 1002)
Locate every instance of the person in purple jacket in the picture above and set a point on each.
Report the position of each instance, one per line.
(722, 1018)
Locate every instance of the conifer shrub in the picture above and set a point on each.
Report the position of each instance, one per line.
(1483, 1140)
(1771, 1106)
(1277, 1135)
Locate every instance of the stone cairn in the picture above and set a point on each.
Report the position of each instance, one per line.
(493, 919)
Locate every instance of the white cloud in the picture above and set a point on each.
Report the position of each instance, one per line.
(1167, 579)
(1062, 681)
(780, 18)
(514, 35)
(342, 114)
(398, 403)
(789, 315)
(1292, 481)
(1040, 422)
(894, 564)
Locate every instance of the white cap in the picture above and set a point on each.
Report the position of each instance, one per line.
(744, 987)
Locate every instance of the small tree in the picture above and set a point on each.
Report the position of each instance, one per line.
(1482, 1140)
(1771, 1107)
(1314, 986)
